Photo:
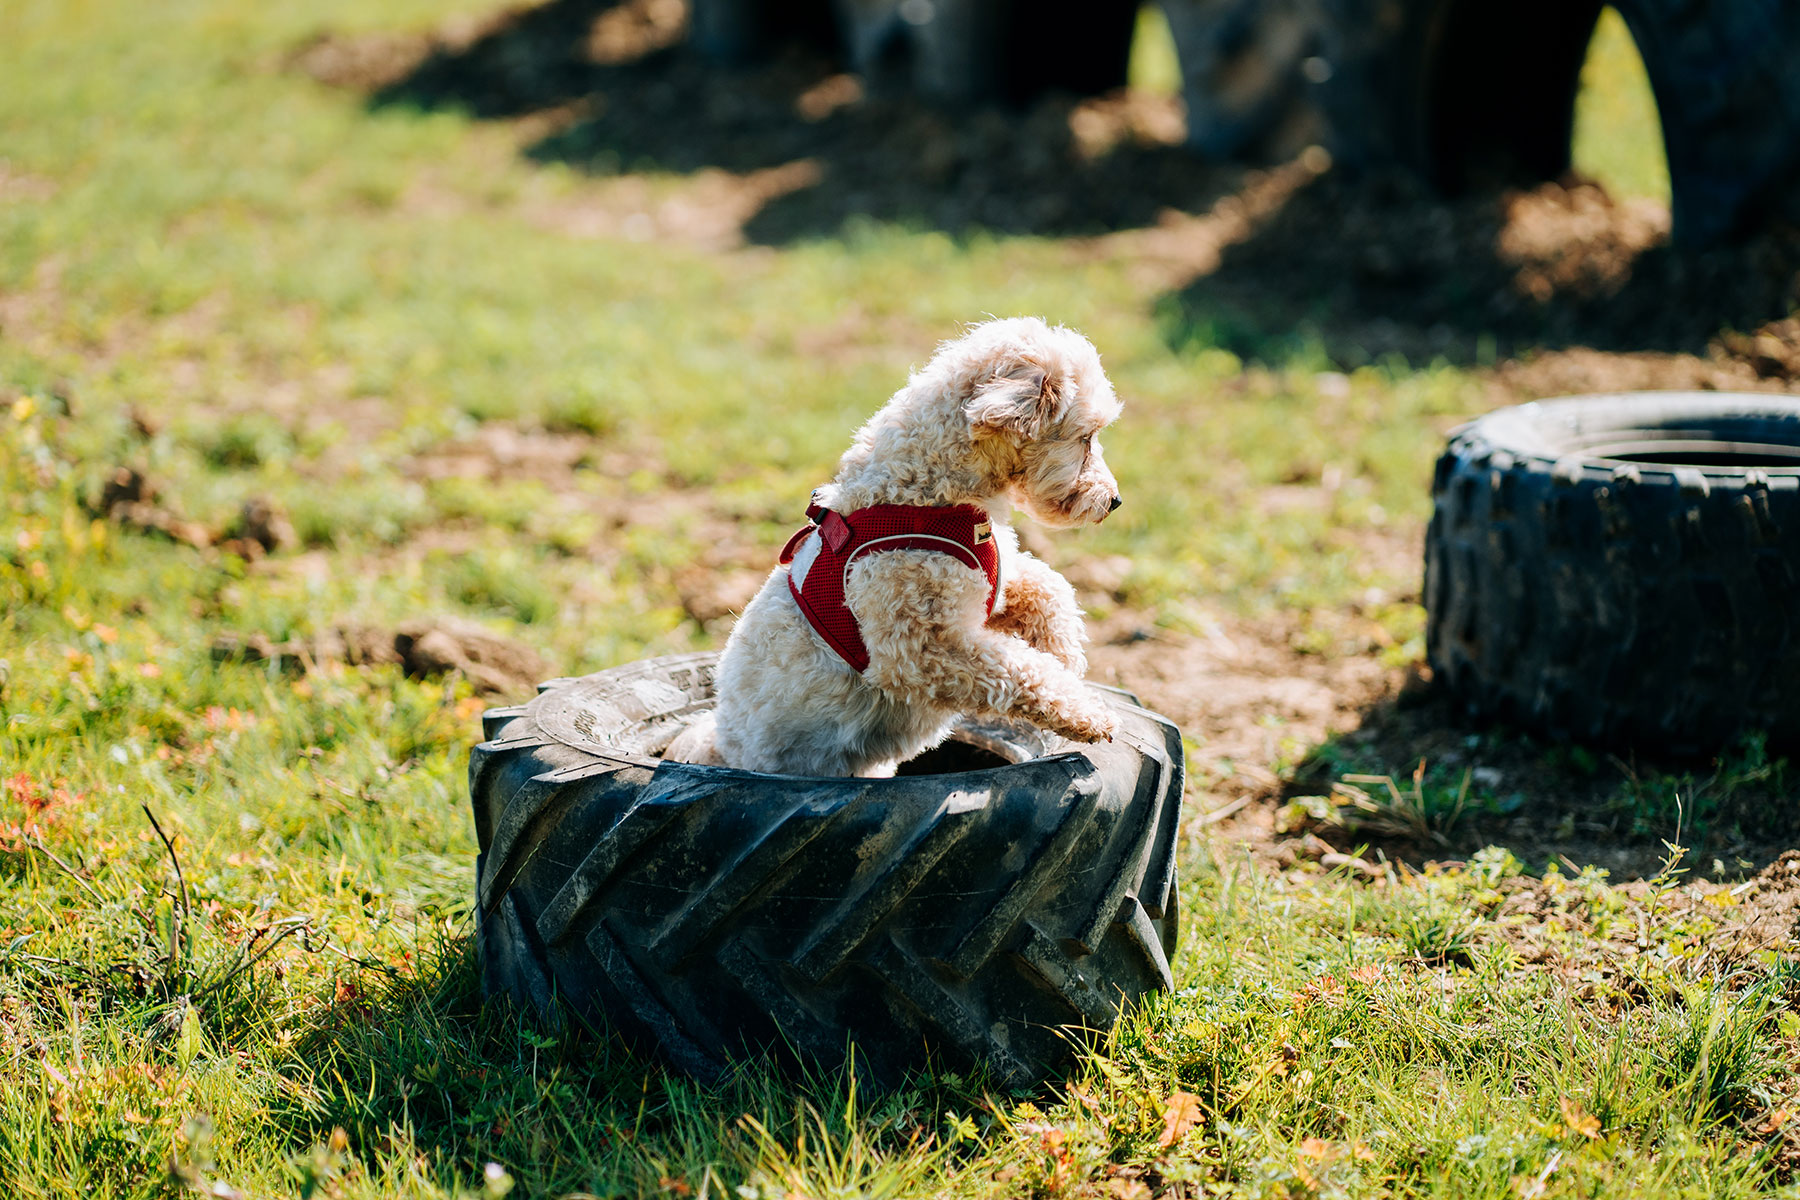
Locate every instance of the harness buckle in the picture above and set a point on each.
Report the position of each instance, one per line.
(835, 530)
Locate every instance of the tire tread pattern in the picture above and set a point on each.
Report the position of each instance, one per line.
(700, 912)
(1636, 606)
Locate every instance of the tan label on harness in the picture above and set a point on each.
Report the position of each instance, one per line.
(984, 532)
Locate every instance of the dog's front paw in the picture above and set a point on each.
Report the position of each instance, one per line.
(1090, 723)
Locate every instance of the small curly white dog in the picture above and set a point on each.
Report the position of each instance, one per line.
(907, 602)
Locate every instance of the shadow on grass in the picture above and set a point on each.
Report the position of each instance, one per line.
(1417, 782)
(641, 100)
(1380, 266)
(1356, 269)
(421, 1064)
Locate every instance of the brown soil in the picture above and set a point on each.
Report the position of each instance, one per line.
(427, 647)
(1269, 722)
(1737, 923)
(1380, 266)
(1242, 693)
(129, 498)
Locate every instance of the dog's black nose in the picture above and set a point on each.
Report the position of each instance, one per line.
(1116, 501)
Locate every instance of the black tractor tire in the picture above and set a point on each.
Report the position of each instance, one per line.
(951, 51)
(1244, 66)
(1621, 570)
(1476, 95)
(989, 51)
(736, 32)
(1002, 891)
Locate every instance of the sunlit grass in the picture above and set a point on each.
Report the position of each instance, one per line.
(1154, 65)
(246, 284)
(1618, 136)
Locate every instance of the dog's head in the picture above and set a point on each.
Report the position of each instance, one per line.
(1037, 401)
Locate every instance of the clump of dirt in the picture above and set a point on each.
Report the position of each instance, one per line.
(129, 498)
(424, 648)
(495, 665)
(260, 528)
(710, 593)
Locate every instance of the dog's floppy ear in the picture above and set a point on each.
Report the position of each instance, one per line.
(1022, 397)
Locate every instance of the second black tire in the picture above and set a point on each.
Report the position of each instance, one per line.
(1622, 570)
(1482, 94)
(976, 914)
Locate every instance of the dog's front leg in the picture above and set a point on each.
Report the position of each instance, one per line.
(921, 619)
(1039, 605)
(1036, 687)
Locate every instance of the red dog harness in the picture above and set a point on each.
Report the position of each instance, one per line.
(962, 530)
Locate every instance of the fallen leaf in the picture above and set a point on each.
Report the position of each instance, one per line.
(1181, 1112)
(1314, 1147)
(1578, 1121)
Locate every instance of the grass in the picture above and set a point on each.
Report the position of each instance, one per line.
(1618, 137)
(245, 284)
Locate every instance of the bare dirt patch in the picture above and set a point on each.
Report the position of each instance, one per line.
(1381, 266)
(22, 185)
(1732, 924)
(425, 648)
(499, 451)
(708, 210)
(1242, 693)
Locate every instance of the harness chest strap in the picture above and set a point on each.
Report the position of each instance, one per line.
(960, 530)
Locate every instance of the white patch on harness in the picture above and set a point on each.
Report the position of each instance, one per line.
(804, 557)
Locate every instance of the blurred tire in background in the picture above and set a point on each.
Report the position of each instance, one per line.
(1471, 95)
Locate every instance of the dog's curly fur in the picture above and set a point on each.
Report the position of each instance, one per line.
(1007, 415)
